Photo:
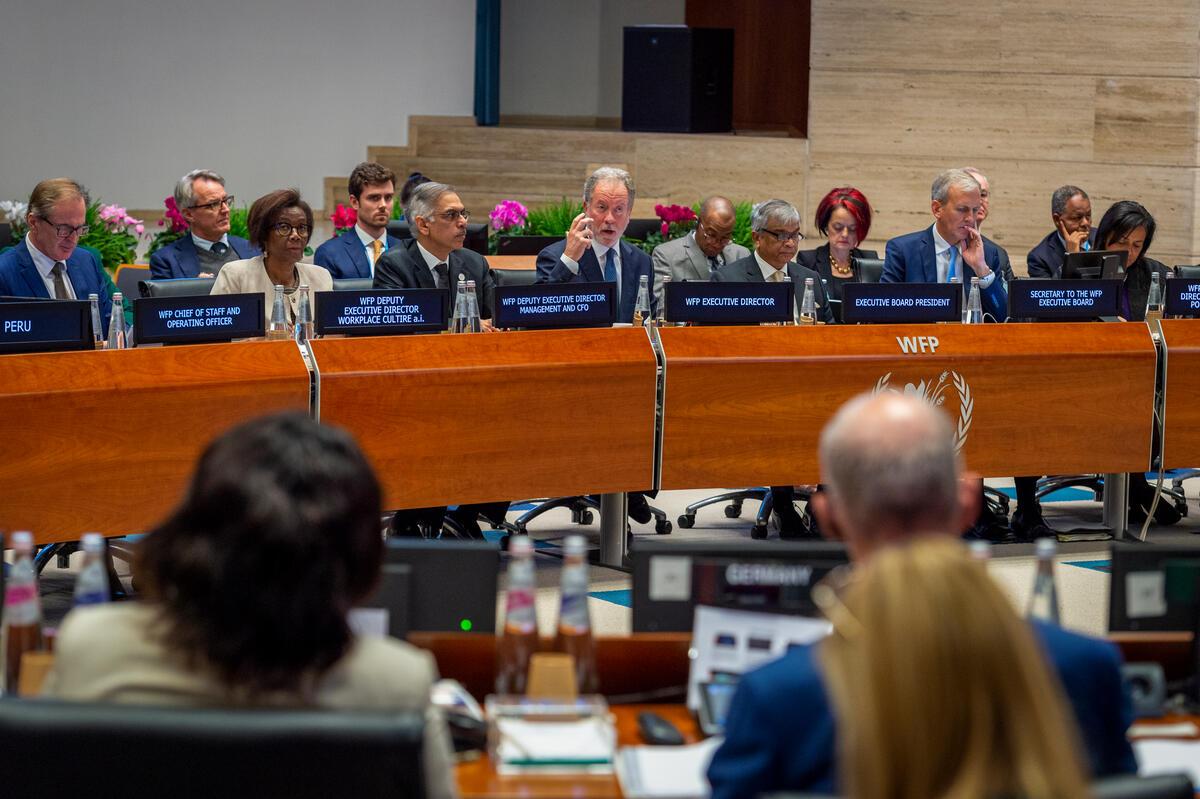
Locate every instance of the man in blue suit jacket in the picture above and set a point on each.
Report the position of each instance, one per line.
(47, 263)
(1071, 210)
(593, 251)
(891, 473)
(952, 246)
(201, 198)
(354, 253)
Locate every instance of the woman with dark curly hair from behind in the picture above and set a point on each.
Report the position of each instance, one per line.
(247, 587)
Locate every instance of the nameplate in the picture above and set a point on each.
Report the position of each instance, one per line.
(198, 320)
(45, 326)
(1183, 297)
(388, 312)
(901, 303)
(1062, 300)
(556, 305)
(701, 302)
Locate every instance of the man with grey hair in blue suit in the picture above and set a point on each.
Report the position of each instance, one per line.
(201, 199)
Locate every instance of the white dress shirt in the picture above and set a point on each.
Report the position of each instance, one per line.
(769, 272)
(45, 267)
(207, 245)
(601, 253)
(366, 240)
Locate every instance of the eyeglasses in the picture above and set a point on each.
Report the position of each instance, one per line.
(283, 229)
(452, 216)
(783, 235)
(723, 238)
(215, 204)
(66, 231)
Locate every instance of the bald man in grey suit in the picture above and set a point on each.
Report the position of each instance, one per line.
(699, 254)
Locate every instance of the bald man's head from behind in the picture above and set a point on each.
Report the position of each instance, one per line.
(890, 473)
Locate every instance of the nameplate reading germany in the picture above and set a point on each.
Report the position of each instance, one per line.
(556, 305)
(1063, 299)
(1183, 297)
(900, 303)
(704, 303)
(381, 313)
(193, 320)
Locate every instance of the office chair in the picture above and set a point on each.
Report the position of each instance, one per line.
(194, 752)
(759, 494)
(581, 508)
(515, 277)
(129, 278)
(869, 270)
(1189, 272)
(177, 287)
(353, 284)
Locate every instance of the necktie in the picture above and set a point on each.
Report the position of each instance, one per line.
(376, 248)
(713, 265)
(610, 266)
(443, 276)
(778, 277)
(220, 248)
(950, 272)
(60, 285)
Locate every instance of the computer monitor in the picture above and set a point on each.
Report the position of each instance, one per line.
(1097, 264)
(1140, 598)
(671, 578)
(451, 584)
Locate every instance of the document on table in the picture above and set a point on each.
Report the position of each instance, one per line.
(665, 772)
(1156, 756)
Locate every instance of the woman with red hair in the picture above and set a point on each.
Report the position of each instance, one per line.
(844, 218)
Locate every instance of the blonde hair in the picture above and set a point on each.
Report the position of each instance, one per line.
(940, 690)
(49, 193)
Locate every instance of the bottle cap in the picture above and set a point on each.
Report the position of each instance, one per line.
(462, 278)
(808, 281)
(1046, 547)
(520, 545)
(22, 539)
(93, 297)
(118, 296)
(981, 550)
(574, 545)
(92, 542)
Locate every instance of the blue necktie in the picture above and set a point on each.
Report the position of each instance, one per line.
(950, 273)
(1087, 246)
(610, 266)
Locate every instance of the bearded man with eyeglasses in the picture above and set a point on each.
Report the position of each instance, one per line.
(201, 199)
(47, 262)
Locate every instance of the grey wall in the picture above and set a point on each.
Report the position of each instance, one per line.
(564, 58)
(127, 95)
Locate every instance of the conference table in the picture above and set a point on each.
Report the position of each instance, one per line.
(105, 440)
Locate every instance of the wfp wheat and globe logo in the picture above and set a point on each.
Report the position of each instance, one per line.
(950, 391)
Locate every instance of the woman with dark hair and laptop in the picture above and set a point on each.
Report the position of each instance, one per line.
(247, 587)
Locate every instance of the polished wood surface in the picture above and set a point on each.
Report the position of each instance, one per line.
(1181, 444)
(648, 666)
(104, 441)
(745, 405)
(488, 417)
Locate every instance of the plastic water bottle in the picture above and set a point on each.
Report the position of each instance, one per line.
(22, 610)
(1154, 303)
(980, 550)
(97, 330)
(520, 636)
(116, 323)
(574, 631)
(808, 305)
(304, 317)
(473, 323)
(277, 330)
(660, 318)
(641, 311)
(1043, 603)
(974, 312)
(91, 587)
(458, 324)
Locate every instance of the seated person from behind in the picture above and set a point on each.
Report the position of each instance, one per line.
(699, 254)
(844, 218)
(891, 474)
(1071, 210)
(47, 263)
(952, 246)
(247, 585)
(355, 253)
(280, 223)
(435, 256)
(938, 687)
(593, 251)
(201, 198)
(775, 227)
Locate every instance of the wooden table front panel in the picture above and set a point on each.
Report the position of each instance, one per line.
(488, 417)
(1181, 444)
(745, 405)
(105, 441)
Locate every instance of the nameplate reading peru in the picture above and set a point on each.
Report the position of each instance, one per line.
(556, 305)
(194, 320)
(45, 326)
(703, 303)
(381, 313)
(901, 303)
